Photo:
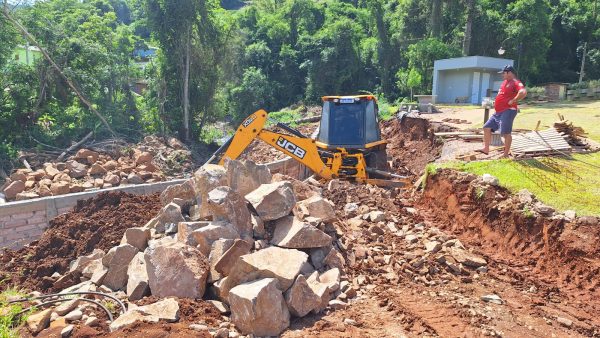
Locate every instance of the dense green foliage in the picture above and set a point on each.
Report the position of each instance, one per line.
(223, 60)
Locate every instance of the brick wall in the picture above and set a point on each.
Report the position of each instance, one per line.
(24, 221)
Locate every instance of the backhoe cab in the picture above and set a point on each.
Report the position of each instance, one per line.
(348, 144)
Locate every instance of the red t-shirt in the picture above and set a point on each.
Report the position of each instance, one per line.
(508, 91)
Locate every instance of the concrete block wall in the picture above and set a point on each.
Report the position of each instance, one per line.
(22, 222)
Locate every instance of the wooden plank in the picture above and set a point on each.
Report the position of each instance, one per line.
(453, 133)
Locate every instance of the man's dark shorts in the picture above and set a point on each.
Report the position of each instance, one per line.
(502, 120)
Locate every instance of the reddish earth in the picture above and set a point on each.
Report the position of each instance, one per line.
(412, 144)
(544, 269)
(97, 223)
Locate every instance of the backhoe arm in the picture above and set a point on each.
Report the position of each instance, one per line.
(246, 132)
(301, 149)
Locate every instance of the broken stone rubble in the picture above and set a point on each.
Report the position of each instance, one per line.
(149, 261)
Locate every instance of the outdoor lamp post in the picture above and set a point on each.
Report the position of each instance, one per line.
(501, 51)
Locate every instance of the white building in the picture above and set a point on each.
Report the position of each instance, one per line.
(467, 79)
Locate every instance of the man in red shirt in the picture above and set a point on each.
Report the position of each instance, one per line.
(505, 105)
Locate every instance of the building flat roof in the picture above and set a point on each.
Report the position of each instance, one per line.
(472, 62)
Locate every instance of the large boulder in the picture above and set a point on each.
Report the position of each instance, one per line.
(208, 177)
(50, 170)
(117, 260)
(137, 237)
(97, 169)
(205, 236)
(218, 248)
(258, 308)
(301, 298)
(39, 321)
(322, 290)
(227, 205)
(246, 176)
(85, 154)
(169, 214)
(185, 229)
(317, 207)
(467, 258)
(112, 179)
(166, 309)
(76, 169)
(239, 248)
(80, 263)
(137, 283)
(142, 157)
(302, 190)
(184, 191)
(60, 188)
(290, 232)
(272, 262)
(176, 269)
(273, 201)
(13, 189)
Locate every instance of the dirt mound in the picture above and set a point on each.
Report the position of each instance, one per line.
(96, 223)
(412, 144)
(190, 312)
(552, 250)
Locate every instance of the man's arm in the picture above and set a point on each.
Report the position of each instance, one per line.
(520, 95)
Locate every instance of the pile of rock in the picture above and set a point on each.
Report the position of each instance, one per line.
(262, 245)
(89, 169)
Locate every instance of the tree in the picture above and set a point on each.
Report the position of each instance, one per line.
(422, 55)
(468, 27)
(252, 94)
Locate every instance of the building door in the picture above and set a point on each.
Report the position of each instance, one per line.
(485, 85)
(475, 88)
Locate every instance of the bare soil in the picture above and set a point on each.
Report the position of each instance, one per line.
(544, 269)
(412, 144)
(96, 223)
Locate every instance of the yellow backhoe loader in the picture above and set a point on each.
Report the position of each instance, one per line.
(348, 144)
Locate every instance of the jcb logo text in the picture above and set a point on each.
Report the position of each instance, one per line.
(292, 148)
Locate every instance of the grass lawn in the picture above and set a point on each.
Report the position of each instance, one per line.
(564, 184)
(9, 320)
(582, 114)
(561, 183)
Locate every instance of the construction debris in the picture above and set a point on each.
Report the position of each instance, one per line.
(220, 253)
(546, 142)
(573, 134)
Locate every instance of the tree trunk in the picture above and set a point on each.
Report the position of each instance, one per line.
(468, 27)
(582, 70)
(436, 19)
(186, 89)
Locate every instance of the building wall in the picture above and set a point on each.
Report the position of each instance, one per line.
(450, 78)
(453, 84)
(20, 55)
